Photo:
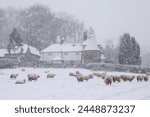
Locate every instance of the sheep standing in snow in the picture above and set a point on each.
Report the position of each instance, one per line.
(81, 77)
(146, 78)
(140, 78)
(50, 75)
(21, 82)
(72, 74)
(130, 78)
(108, 80)
(116, 78)
(85, 78)
(13, 76)
(124, 77)
(33, 77)
(99, 74)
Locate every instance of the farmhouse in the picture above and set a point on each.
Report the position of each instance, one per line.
(73, 53)
(68, 53)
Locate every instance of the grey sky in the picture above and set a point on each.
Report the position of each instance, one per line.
(109, 18)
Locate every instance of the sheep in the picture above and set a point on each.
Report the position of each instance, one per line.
(81, 78)
(140, 78)
(124, 77)
(33, 77)
(130, 78)
(85, 78)
(99, 74)
(145, 78)
(21, 82)
(116, 78)
(108, 80)
(13, 76)
(50, 75)
(72, 74)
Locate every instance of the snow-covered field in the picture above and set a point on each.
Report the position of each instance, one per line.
(65, 87)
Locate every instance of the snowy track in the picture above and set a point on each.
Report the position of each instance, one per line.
(65, 87)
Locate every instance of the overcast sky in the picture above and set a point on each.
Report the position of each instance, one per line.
(109, 18)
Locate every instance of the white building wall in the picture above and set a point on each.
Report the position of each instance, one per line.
(72, 56)
(67, 56)
(48, 56)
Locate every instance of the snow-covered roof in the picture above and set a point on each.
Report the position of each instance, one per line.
(57, 58)
(3, 52)
(25, 47)
(91, 43)
(66, 47)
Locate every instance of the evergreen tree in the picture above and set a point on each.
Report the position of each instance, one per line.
(129, 50)
(14, 41)
(85, 36)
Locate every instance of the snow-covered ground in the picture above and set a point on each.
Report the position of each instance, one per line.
(65, 87)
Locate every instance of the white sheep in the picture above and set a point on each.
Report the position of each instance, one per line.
(33, 77)
(21, 82)
(124, 77)
(116, 78)
(146, 77)
(72, 74)
(50, 75)
(13, 76)
(140, 78)
(99, 74)
(130, 78)
(108, 80)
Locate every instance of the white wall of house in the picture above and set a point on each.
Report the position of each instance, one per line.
(67, 56)
(72, 56)
(48, 56)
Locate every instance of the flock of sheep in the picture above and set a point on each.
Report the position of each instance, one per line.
(31, 77)
(108, 79)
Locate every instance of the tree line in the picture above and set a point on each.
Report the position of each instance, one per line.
(39, 26)
(126, 52)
